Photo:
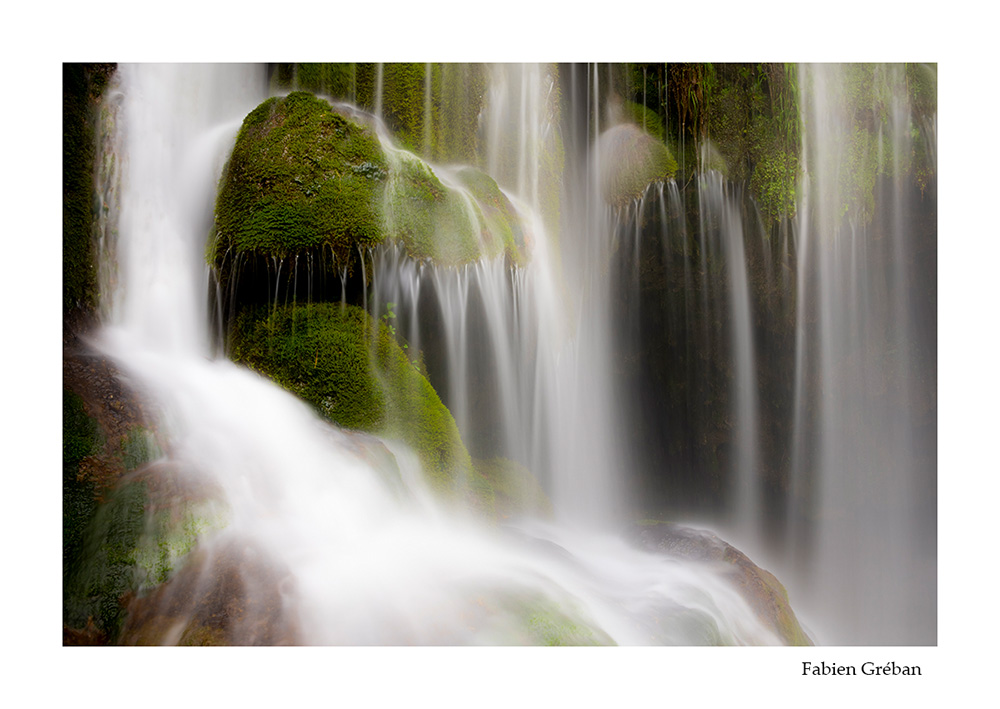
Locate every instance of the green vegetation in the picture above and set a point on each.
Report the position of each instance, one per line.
(429, 218)
(81, 438)
(631, 160)
(334, 80)
(444, 130)
(503, 230)
(82, 88)
(751, 115)
(170, 535)
(96, 588)
(301, 178)
(402, 100)
(351, 369)
(746, 120)
(449, 224)
(137, 448)
(647, 119)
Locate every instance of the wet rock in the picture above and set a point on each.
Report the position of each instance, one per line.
(228, 593)
(761, 590)
(119, 408)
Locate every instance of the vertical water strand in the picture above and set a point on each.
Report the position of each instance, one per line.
(428, 128)
(413, 297)
(452, 285)
(364, 277)
(744, 408)
(108, 179)
(704, 374)
(490, 281)
(379, 80)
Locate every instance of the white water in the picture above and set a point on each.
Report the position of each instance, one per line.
(873, 560)
(363, 560)
(714, 200)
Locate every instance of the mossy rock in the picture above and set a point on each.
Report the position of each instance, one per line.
(138, 537)
(502, 230)
(301, 178)
(81, 438)
(106, 573)
(650, 121)
(83, 85)
(451, 221)
(630, 161)
(229, 593)
(515, 490)
(352, 370)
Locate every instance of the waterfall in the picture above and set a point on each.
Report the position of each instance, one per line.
(863, 355)
(672, 354)
(327, 546)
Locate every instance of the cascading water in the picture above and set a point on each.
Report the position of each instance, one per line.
(666, 355)
(816, 440)
(326, 547)
(865, 357)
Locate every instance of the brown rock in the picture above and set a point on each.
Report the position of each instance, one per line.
(761, 590)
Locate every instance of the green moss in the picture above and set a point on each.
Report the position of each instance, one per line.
(430, 219)
(630, 161)
(458, 93)
(81, 438)
(647, 119)
(338, 80)
(514, 489)
(403, 98)
(353, 372)
(98, 586)
(446, 130)
(82, 87)
(921, 84)
(301, 178)
(137, 448)
(170, 535)
(502, 230)
(742, 120)
(320, 354)
(775, 182)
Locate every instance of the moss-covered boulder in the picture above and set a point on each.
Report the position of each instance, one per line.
(501, 229)
(630, 160)
(301, 178)
(452, 218)
(139, 534)
(647, 119)
(352, 370)
(430, 219)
